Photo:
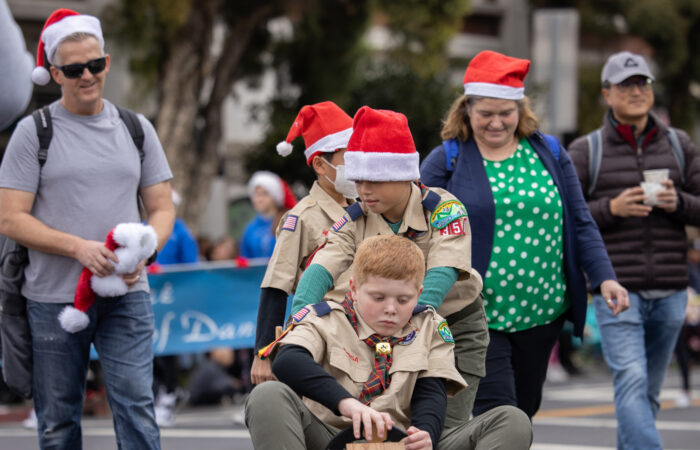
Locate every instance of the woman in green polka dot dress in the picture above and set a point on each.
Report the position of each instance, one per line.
(532, 233)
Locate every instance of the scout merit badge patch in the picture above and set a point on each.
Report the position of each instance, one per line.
(291, 223)
(339, 224)
(454, 228)
(445, 332)
(410, 337)
(447, 212)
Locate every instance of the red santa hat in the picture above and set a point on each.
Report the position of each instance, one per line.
(324, 126)
(381, 147)
(492, 74)
(61, 24)
(278, 189)
(131, 243)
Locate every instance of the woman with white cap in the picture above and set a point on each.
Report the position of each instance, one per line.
(532, 234)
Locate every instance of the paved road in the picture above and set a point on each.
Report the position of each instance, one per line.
(576, 415)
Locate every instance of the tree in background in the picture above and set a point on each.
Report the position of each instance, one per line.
(192, 52)
(670, 27)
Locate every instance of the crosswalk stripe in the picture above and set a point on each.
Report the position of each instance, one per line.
(610, 423)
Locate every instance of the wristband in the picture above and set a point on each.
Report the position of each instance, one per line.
(152, 258)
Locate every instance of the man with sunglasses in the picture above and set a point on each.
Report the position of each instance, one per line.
(645, 238)
(62, 211)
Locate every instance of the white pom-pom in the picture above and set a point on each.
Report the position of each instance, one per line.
(73, 320)
(284, 148)
(40, 76)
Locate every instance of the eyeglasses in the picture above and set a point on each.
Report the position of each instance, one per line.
(95, 66)
(644, 84)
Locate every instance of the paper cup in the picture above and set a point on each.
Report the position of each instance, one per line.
(656, 175)
(650, 190)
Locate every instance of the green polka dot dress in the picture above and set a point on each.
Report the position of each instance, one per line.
(524, 285)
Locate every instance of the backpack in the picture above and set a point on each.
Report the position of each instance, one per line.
(15, 336)
(595, 155)
(451, 147)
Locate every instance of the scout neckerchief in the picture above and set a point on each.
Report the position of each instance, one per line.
(379, 379)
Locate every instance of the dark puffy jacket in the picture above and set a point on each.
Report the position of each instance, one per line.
(646, 252)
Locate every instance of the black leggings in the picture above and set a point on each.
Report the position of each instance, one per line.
(516, 367)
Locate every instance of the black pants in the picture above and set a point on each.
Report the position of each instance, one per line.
(516, 367)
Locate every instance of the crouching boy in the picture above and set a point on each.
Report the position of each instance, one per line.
(375, 359)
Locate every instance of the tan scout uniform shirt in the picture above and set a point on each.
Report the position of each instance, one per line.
(439, 250)
(315, 213)
(333, 343)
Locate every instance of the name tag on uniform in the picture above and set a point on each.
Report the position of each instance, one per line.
(454, 228)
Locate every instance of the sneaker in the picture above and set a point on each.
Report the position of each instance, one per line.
(682, 400)
(30, 422)
(556, 373)
(165, 409)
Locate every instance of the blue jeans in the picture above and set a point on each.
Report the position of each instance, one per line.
(638, 345)
(122, 330)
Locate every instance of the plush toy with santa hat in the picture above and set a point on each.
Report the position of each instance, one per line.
(131, 243)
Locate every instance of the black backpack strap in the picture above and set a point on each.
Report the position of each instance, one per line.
(44, 131)
(595, 157)
(133, 124)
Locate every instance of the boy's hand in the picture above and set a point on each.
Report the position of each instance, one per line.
(360, 413)
(261, 371)
(417, 439)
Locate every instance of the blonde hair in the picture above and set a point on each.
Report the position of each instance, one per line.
(389, 256)
(73, 37)
(456, 125)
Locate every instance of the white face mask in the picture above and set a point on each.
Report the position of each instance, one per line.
(342, 185)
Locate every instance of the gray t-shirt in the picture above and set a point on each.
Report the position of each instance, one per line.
(87, 186)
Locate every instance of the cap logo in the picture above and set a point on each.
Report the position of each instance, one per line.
(631, 63)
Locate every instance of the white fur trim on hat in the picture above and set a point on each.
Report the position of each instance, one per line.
(494, 91)
(330, 143)
(54, 34)
(269, 181)
(381, 166)
(73, 320)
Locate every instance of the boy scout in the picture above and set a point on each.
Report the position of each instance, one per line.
(382, 159)
(326, 130)
(374, 359)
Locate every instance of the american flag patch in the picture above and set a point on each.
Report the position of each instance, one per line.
(301, 314)
(339, 224)
(291, 223)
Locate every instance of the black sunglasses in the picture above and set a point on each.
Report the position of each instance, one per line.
(95, 66)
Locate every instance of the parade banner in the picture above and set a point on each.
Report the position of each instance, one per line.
(198, 307)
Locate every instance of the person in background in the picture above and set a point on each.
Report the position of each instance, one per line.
(688, 345)
(533, 237)
(326, 130)
(181, 248)
(15, 70)
(644, 236)
(376, 360)
(62, 212)
(271, 197)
